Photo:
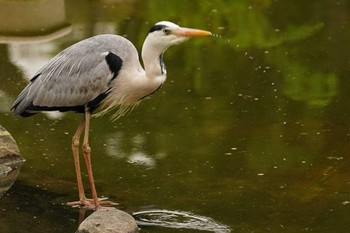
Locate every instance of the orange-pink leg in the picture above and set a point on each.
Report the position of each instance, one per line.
(87, 156)
(75, 150)
(83, 201)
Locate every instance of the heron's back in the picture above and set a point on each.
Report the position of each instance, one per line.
(79, 76)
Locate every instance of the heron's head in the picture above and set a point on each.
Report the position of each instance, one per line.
(165, 34)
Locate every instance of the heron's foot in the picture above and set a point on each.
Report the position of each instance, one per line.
(90, 204)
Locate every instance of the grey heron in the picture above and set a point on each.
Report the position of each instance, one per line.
(95, 76)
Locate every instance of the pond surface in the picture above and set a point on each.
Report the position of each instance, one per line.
(251, 129)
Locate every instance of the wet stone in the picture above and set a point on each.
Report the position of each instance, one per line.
(10, 160)
(9, 152)
(108, 220)
(4, 170)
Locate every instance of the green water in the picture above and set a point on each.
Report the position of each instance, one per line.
(251, 129)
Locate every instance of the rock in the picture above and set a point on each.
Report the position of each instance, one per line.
(10, 160)
(108, 220)
(4, 170)
(9, 152)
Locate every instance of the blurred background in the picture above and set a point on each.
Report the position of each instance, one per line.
(251, 128)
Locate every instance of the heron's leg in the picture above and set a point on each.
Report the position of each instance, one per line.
(83, 201)
(75, 149)
(87, 153)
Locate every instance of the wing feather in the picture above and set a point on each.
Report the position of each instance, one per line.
(76, 76)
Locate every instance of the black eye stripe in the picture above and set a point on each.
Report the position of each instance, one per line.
(157, 27)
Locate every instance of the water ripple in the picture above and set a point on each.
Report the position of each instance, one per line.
(179, 220)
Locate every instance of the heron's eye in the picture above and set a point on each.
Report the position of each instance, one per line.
(167, 31)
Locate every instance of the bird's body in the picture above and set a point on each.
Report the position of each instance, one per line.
(96, 75)
(103, 70)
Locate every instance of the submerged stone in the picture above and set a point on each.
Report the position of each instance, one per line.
(108, 220)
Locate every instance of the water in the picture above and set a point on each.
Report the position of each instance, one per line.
(178, 220)
(251, 129)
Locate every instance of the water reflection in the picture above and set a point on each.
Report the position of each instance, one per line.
(29, 28)
(141, 158)
(8, 176)
(32, 21)
(116, 148)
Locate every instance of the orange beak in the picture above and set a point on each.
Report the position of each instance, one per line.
(190, 32)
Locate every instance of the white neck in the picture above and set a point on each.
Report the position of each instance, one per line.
(152, 57)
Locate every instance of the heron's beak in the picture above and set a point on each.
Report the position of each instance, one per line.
(190, 32)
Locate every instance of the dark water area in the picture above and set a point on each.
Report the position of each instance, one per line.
(251, 130)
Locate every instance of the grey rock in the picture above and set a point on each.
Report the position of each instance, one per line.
(108, 220)
(10, 160)
(9, 152)
(4, 170)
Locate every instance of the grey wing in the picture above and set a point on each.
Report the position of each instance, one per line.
(77, 77)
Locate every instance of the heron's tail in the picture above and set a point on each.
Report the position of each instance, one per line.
(20, 105)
